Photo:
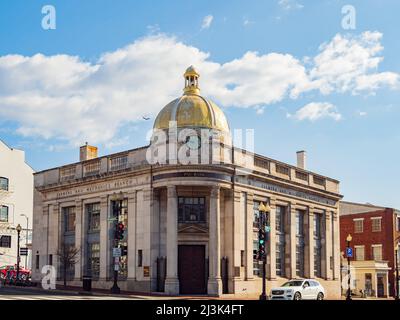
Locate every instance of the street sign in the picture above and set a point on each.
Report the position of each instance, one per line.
(116, 267)
(23, 251)
(349, 252)
(116, 252)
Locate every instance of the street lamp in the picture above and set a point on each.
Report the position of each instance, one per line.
(18, 228)
(262, 237)
(26, 240)
(117, 205)
(348, 239)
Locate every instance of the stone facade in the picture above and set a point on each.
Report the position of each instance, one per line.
(153, 233)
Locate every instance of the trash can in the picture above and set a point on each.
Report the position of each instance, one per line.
(87, 283)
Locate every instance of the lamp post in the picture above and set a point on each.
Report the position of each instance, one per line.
(18, 228)
(348, 239)
(397, 297)
(26, 240)
(117, 206)
(262, 244)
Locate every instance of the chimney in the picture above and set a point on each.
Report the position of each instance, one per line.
(87, 152)
(301, 159)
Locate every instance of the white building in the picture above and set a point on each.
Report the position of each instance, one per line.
(16, 204)
(188, 228)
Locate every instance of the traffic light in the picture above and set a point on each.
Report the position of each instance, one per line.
(124, 251)
(119, 232)
(261, 243)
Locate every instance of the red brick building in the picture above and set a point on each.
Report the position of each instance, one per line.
(376, 237)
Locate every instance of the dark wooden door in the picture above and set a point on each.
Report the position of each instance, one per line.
(191, 269)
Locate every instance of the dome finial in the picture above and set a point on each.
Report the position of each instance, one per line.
(191, 81)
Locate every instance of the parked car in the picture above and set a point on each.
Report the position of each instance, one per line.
(9, 273)
(299, 289)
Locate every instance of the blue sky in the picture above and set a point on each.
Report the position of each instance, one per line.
(109, 62)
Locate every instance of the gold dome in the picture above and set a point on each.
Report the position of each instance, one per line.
(192, 110)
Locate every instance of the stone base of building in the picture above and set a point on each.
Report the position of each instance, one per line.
(243, 289)
(171, 286)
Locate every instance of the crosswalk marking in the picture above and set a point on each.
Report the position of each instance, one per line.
(55, 297)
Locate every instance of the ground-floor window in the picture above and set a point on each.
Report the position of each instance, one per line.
(93, 262)
(5, 241)
(256, 266)
(317, 244)
(119, 219)
(280, 240)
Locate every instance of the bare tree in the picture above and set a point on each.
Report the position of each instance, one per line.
(68, 258)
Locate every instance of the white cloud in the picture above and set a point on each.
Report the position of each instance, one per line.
(207, 21)
(67, 98)
(290, 5)
(362, 113)
(316, 111)
(349, 63)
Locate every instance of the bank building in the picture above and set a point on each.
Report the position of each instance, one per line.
(190, 226)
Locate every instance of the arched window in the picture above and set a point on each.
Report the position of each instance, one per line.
(3, 183)
(3, 214)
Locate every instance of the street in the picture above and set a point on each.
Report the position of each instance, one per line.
(21, 293)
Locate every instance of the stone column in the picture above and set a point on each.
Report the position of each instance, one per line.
(249, 236)
(272, 240)
(171, 280)
(132, 235)
(104, 243)
(54, 235)
(336, 246)
(292, 237)
(309, 246)
(327, 271)
(214, 256)
(79, 236)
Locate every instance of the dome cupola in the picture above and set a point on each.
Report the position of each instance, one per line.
(192, 110)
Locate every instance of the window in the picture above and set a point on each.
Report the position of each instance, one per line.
(69, 219)
(261, 163)
(242, 258)
(140, 258)
(3, 183)
(91, 168)
(377, 252)
(191, 210)
(301, 175)
(5, 241)
(94, 259)
(398, 223)
(50, 259)
(93, 212)
(360, 253)
(376, 224)
(256, 214)
(280, 240)
(67, 173)
(256, 266)
(119, 163)
(119, 216)
(3, 214)
(317, 244)
(37, 262)
(282, 169)
(319, 180)
(358, 225)
(300, 243)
